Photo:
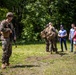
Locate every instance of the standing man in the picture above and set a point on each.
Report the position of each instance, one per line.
(50, 31)
(62, 36)
(71, 34)
(7, 32)
(47, 41)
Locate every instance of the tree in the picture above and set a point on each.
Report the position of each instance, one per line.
(31, 16)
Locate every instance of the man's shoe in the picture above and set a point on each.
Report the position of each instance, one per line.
(74, 52)
(3, 66)
(7, 64)
(71, 51)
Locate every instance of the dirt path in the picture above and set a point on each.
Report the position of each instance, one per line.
(33, 65)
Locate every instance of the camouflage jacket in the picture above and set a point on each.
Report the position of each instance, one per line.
(49, 33)
(5, 30)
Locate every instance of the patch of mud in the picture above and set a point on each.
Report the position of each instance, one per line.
(39, 58)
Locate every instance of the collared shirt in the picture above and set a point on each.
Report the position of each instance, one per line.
(62, 32)
(71, 33)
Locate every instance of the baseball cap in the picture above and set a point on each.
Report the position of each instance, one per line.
(61, 26)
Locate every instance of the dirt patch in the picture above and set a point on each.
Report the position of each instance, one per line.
(33, 65)
(39, 58)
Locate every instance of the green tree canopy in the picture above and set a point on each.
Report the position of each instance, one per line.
(31, 16)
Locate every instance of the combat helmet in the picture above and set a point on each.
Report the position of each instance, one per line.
(9, 14)
(50, 23)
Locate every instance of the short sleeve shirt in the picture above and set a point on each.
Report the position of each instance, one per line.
(62, 32)
(72, 33)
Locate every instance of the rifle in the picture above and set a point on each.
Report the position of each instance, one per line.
(15, 43)
(12, 36)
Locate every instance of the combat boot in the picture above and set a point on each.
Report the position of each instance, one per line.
(7, 64)
(3, 66)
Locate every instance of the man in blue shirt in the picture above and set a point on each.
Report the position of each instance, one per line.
(71, 34)
(62, 37)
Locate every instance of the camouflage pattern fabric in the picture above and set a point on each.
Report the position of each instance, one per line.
(6, 42)
(7, 50)
(50, 36)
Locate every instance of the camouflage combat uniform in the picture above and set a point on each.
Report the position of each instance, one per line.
(6, 38)
(47, 45)
(50, 36)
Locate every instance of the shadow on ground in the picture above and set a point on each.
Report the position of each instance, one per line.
(23, 66)
(62, 53)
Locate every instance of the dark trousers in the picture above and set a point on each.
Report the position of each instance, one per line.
(63, 40)
(71, 48)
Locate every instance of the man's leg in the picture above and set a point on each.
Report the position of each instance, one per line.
(9, 53)
(55, 46)
(75, 48)
(65, 44)
(71, 49)
(61, 43)
(51, 46)
(47, 45)
(4, 56)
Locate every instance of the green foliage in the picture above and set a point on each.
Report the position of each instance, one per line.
(35, 14)
(3, 12)
(33, 60)
(35, 19)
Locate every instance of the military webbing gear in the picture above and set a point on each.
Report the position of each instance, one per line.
(50, 36)
(49, 33)
(5, 34)
(5, 29)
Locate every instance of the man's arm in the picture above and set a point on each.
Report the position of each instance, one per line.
(65, 35)
(59, 34)
(13, 32)
(69, 36)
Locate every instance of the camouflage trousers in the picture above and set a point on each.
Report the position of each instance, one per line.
(7, 50)
(52, 44)
(47, 45)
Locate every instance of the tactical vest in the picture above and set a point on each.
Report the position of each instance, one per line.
(7, 33)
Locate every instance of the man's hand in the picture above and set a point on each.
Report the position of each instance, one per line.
(10, 31)
(69, 38)
(15, 41)
(62, 36)
(15, 38)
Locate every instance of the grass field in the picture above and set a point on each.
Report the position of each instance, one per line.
(32, 59)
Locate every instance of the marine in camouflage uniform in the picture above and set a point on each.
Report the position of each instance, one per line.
(50, 36)
(7, 32)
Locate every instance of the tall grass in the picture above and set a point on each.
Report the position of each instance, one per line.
(32, 59)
